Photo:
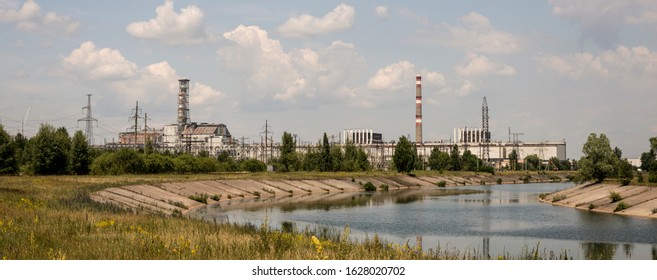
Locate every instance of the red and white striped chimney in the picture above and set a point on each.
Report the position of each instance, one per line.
(418, 109)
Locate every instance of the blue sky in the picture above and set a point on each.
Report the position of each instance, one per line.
(551, 69)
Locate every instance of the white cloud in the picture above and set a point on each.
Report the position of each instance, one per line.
(98, 64)
(29, 18)
(393, 77)
(479, 65)
(155, 84)
(169, 27)
(476, 34)
(269, 73)
(341, 18)
(381, 11)
(633, 69)
(602, 20)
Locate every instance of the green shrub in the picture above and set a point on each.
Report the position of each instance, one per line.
(216, 197)
(625, 181)
(526, 179)
(256, 193)
(654, 210)
(123, 161)
(640, 179)
(543, 195)
(253, 165)
(614, 196)
(591, 206)
(369, 187)
(652, 177)
(177, 204)
(621, 206)
(482, 182)
(200, 197)
(442, 184)
(558, 197)
(156, 164)
(499, 181)
(487, 169)
(384, 187)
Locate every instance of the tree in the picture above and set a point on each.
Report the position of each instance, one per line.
(438, 160)
(513, 160)
(618, 153)
(469, 162)
(599, 159)
(22, 155)
(326, 163)
(49, 150)
(288, 154)
(625, 172)
(454, 159)
(8, 161)
(80, 157)
(149, 148)
(336, 158)
(404, 157)
(532, 162)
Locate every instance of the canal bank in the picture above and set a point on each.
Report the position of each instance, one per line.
(174, 198)
(638, 201)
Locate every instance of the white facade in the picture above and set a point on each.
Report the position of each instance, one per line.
(361, 137)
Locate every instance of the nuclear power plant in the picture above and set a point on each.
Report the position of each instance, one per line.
(213, 138)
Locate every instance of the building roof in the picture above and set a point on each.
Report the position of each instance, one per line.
(206, 129)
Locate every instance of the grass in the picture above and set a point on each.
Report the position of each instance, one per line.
(200, 197)
(614, 196)
(558, 197)
(441, 184)
(53, 217)
(621, 206)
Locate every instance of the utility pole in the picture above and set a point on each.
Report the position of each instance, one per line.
(89, 129)
(485, 132)
(136, 118)
(266, 145)
(515, 143)
(146, 130)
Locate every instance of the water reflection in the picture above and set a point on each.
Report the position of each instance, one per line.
(333, 201)
(599, 251)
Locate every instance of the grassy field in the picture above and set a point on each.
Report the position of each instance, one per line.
(52, 217)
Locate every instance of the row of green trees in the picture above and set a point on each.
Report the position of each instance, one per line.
(323, 157)
(50, 152)
(405, 159)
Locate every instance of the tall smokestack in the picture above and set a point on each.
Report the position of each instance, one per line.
(183, 105)
(418, 109)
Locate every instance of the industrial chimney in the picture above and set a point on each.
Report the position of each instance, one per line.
(183, 105)
(418, 109)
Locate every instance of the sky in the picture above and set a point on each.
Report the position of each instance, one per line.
(553, 70)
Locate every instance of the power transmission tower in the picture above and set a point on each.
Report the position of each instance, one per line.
(136, 118)
(266, 146)
(515, 143)
(89, 130)
(485, 131)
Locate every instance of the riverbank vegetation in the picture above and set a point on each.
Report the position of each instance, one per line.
(52, 217)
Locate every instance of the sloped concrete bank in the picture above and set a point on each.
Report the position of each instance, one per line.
(637, 201)
(183, 197)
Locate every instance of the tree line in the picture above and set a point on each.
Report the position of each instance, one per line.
(323, 157)
(53, 152)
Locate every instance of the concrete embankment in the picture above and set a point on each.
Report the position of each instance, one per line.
(638, 201)
(183, 197)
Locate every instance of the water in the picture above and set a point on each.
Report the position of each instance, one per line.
(506, 219)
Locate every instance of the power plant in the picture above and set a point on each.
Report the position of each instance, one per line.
(196, 137)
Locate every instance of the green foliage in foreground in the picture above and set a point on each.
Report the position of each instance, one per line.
(54, 218)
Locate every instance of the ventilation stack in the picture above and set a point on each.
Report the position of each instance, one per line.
(183, 105)
(418, 109)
